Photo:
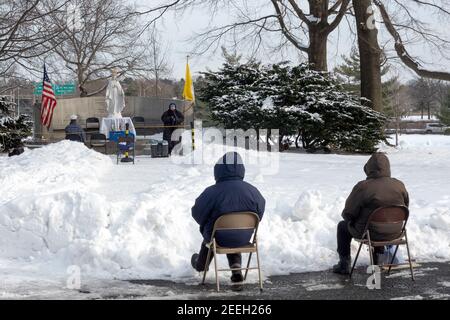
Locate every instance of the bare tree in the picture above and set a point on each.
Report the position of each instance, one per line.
(105, 36)
(22, 31)
(154, 63)
(425, 95)
(370, 53)
(305, 29)
(403, 21)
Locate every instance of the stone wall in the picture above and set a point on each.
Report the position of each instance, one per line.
(150, 108)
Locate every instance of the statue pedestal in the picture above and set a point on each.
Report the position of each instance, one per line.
(114, 116)
(116, 124)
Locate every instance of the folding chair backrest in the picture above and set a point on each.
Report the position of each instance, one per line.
(92, 123)
(388, 221)
(240, 226)
(237, 220)
(98, 138)
(138, 119)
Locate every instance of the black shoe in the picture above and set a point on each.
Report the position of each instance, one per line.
(236, 275)
(194, 259)
(343, 266)
(237, 279)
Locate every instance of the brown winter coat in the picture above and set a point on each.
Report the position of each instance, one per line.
(378, 190)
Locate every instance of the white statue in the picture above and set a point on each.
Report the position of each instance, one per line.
(115, 97)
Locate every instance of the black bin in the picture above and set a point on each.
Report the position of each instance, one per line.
(159, 149)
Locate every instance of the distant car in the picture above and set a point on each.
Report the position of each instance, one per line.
(435, 128)
(389, 131)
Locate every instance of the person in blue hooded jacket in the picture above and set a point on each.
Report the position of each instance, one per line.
(229, 194)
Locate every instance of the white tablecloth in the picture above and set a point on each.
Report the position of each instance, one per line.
(116, 124)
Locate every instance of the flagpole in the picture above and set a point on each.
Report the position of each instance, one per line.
(40, 115)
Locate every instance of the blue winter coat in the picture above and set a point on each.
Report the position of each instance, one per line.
(74, 128)
(229, 194)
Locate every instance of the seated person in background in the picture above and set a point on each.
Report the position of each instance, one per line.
(74, 128)
(229, 194)
(378, 190)
(17, 151)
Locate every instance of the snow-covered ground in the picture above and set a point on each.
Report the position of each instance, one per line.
(65, 205)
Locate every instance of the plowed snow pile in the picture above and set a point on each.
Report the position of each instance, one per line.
(65, 205)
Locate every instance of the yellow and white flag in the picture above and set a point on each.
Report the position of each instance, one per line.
(188, 91)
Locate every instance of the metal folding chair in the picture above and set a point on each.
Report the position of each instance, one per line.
(235, 221)
(92, 123)
(391, 223)
(98, 140)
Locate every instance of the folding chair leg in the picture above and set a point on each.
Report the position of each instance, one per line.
(206, 265)
(392, 261)
(356, 259)
(370, 251)
(371, 257)
(259, 269)
(215, 265)
(248, 265)
(409, 258)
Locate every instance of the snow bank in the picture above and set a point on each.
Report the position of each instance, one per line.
(66, 205)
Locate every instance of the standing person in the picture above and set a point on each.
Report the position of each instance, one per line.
(229, 194)
(378, 190)
(74, 128)
(171, 118)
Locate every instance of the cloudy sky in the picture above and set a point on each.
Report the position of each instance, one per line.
(178, 29)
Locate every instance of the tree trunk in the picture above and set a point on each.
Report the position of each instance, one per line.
(370, 54)
(80, 78)
(317, 54)
(318, 35)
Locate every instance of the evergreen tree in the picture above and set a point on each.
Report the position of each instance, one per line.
(444, 113)
(291, 99)
(349, 75)
(12, 129)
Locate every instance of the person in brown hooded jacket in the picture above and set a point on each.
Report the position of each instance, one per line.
(378, 190)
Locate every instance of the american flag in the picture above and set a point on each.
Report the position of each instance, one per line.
(48, 103)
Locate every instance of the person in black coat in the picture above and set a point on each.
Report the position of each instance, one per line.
(171, 118)
(229, 194)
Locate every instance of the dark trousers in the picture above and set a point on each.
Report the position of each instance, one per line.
(233, 259)
(344, 240)
(167, 135)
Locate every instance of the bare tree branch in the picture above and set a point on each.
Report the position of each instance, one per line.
(343, 9)
(284, 29)
(403, 54)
